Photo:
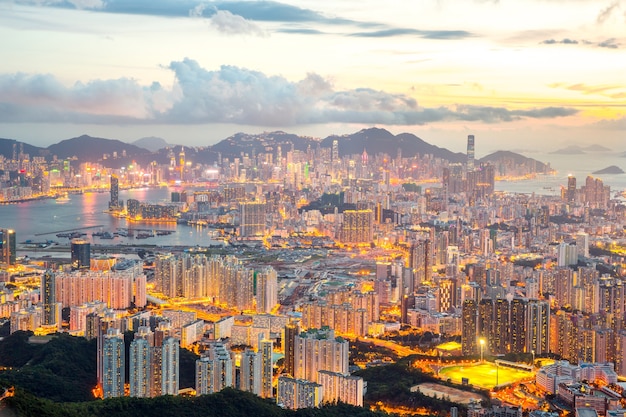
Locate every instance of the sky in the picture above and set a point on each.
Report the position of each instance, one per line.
(518, 74)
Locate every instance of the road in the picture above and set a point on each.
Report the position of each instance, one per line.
(400, 350)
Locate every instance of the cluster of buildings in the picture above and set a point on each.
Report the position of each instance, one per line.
(223, 280)
(508, 273)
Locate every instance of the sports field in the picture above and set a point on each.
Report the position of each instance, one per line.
(484, 375)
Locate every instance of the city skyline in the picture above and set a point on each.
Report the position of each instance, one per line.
(197, 72)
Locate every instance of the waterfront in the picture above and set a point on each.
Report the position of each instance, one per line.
(41, 220)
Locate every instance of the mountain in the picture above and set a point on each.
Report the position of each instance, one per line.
(609, 170)
(570, 150)
(375, 140)
(596, 148)
(151, 143)
(265, 142)
(512, 158)
(87, 148)
(8, 146)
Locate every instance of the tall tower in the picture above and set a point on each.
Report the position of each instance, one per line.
(470, 152)
(48, 295)
(252, 219)
(7, 246)
(80, 252)
(571, 189)
(140, 357)
(170, 364)
(181, 161)
(113, 364)
(250, 371)
(291, 331)
(114, 204)
(267, 366)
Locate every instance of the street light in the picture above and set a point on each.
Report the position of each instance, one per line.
(533, 352)
(482, 347)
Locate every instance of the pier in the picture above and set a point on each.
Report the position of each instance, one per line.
(69, 230)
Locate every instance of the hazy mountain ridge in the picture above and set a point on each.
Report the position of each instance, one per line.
(376, 140)
(151, 143)
(86, 148)
(504, 156)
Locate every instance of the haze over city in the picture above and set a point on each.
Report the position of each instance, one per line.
(541, 71)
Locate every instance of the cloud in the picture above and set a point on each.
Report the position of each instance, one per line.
(565, 41)
(301, 31)
(198, 10)
(232, 24)
(236, 16)
(606, 13)
(77, 4)
(603, 90)
(230, 95)
(428, 34)
(609, 43)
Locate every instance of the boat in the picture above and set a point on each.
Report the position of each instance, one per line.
(62, 199)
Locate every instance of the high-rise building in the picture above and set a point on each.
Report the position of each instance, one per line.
(170, 364)
(252, 219)
(113, 364)
(319, 350)
(250, 372)
(115, 204)
(291, 331)
(357, 226)
(298, 393)
(80, 254)
(469, 327)
(140, 357)
(8, 245)
(339, 387)
(511, 325)
(266, 294)
(419, 263)
(538, 327)
(48, 298)
(470, 152)
(215, 370)
(570, 194)
(267, 367)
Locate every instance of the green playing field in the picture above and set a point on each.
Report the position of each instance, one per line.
(485, 375)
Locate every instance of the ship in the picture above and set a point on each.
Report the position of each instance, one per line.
(62, 199)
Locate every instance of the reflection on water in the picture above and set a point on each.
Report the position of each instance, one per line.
(42, 219)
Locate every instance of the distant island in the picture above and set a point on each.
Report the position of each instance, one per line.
(570, 150)
(596, 148)
(609, 170)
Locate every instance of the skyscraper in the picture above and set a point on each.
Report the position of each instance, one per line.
(170, 364)
(48, 296)
(81, 254)
(570, 194)
(113, 364)
(252, 219)
(291, 331)
(470, 152)
(298, 393)
(267, 366)
(250, 371)
(114, 203)
(317, 350)
(357, 226)
(140, 358)
(266, 290)
(7, 246)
